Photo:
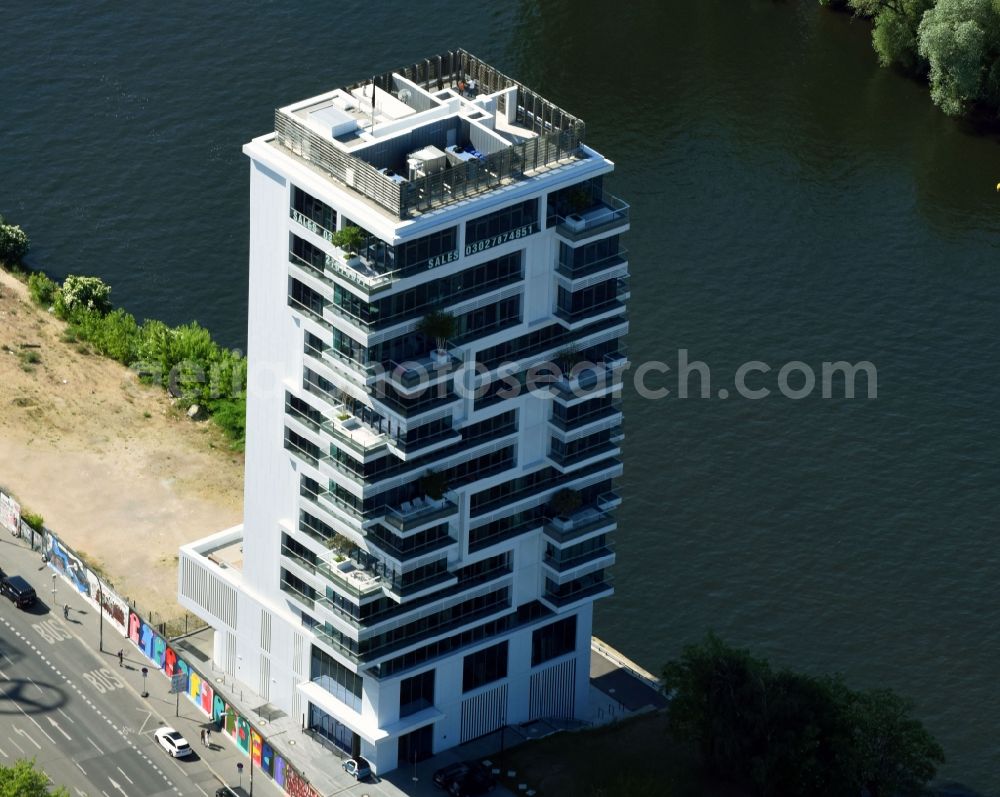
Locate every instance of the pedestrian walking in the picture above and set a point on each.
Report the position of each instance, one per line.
(66, 611)
(208, 738)
(121, 656)
(202, 735)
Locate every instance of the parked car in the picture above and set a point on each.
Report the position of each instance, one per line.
(171, 741)
(465, 778)
(475, 782)
(445, 776)
(357, 767)
(18, 590)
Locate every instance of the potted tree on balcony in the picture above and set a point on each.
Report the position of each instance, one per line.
(339, 546)
(565, 502)
(439, 325)
(350, 240)
(434, 484)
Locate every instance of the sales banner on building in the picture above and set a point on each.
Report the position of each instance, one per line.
(10, 514)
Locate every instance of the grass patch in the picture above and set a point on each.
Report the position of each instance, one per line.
(29, 357)
(647, 763)
(94, 565)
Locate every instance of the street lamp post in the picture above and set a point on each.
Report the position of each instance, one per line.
(100, 615)
(145, 672)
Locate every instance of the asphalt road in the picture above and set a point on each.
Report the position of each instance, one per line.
(73, 709)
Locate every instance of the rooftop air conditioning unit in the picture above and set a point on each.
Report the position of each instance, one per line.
(425, 161)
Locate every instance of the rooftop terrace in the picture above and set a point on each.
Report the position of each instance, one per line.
(423, 136)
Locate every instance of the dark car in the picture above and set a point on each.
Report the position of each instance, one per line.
(475, 782)
(466, 778)
(445, 776)
(20, 592)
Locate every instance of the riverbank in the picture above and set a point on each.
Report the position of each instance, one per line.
(108, 461)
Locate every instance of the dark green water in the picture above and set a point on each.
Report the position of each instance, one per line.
(790, 201)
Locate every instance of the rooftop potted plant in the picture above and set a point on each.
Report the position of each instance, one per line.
(439, 325)
(350, 239)
(565, 502)
(434, 484)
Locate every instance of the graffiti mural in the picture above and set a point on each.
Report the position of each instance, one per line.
(114, 608)
(63, 560)
(255, 742)
(226, 717)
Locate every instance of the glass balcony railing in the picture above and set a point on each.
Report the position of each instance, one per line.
(359, 271)
(310, 225)
(609, 214)
(419, 511)
(562, 562)
(310, 268)
(583, 522)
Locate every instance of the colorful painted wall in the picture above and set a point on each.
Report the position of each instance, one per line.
(199, 688)
(213, 704)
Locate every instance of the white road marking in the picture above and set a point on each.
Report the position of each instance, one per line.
(105, 793)
(35, 685)
(4, 675)
(59, 728)
(26, 714)
(79, 793)
(117, 786)
(4, 753)
(199, 788)
(17, 746)
(99, 750)
(67, 716)
(80, 768)
(124, 775)
(25, 735)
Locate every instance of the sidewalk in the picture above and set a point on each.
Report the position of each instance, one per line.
(619, 688)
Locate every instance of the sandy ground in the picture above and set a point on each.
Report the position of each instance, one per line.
(113, 468)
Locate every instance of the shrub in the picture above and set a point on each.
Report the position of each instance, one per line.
(90, 293)
(230, 415)
(34, 520)
(42, 289)
(349, 239)
(30, 357)
(14, 243)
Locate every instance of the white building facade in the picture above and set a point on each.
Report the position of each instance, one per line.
(433, 414)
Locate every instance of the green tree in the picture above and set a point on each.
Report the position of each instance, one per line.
(784, 733)
(23, 780)
(894, 752)
(894, 35)
(440, 325)
(961, 41)
(349, 238)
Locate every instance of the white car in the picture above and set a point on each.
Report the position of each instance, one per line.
(171, 741)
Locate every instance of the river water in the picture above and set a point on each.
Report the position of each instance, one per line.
(790, 202)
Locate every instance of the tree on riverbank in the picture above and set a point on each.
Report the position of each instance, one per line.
(955, 44)
(784, 733)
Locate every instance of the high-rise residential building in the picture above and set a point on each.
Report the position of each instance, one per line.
(436, 318)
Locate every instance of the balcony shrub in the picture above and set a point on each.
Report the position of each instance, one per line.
(349, 239)
(565, 502)
(440, 325)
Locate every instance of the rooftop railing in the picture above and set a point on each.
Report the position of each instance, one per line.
(558, 136)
